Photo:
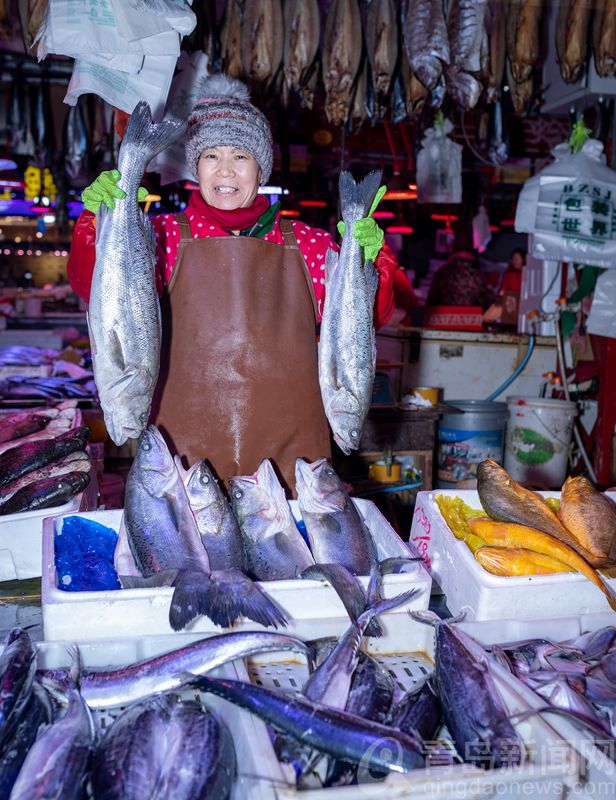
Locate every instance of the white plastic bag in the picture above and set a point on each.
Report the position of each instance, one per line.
(183, 94)
(439, 167)
(601, 319)
(570, 208)
(482, 235)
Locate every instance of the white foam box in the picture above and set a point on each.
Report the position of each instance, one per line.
(21, 534)
(598, 777)
(471, 590)
(109, 654)
(550, 766)
(312, 608)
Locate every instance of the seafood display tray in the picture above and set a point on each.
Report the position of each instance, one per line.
(21, 534)
(313, 608)
(599, 778)
(550, 764)
(478, 594)
(248, 785)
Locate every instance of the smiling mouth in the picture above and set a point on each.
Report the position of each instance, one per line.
(225, 189)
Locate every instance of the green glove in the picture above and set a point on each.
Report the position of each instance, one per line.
(366, 230)
(105, 190)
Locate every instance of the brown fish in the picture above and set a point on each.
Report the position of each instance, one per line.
(510, 561)
(425, 39)
(230, 37)
(523, 37)
(496, 27)
(415, 93)
(302, 26)
(590, 517)
(382, 45)
(506, 500)
(341, 56)
(359, 109)
(521, 93)
(604, 38)
(572, 37)
(262, 39)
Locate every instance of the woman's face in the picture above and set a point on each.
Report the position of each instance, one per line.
(228, 177)
(517, 260)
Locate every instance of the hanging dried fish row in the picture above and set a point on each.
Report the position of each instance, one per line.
(572, 37)
(381, 37)
(230, 36)
(341, 56)
(425, 39)
(262, 40)
(467, 41)
(302, 30)
(523, 44)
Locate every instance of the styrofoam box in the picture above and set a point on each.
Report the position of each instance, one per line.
(551, 764)
(108, 654)
(313, 608)
(471, 590)
(21, 534)
(599, 771)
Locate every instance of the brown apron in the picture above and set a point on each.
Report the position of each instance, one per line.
(239, 376)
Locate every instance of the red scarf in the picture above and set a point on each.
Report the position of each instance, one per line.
(236, 220)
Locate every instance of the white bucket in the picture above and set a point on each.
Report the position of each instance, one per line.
(538, 440)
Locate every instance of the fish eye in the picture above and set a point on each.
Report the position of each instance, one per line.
(329, 472)
(143, 417)
(204, 479)
(354, 433)
(237, 493)
(146, 446)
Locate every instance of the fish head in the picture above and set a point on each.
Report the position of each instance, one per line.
(319, 489)
(126, 404)
(204, 493)
(153, 462)
(259, 494)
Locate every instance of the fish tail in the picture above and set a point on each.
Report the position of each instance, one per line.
(148, 137)
(356, 198)
(223, 596)
(381, 606)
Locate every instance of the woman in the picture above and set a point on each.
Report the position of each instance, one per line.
(243, 293)
(512, 277)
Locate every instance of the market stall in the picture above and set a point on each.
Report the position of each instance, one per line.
(306, 399)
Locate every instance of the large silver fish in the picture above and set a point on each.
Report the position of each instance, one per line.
(302, 24)
(347, 348)
(166, 545)
(57, 762)
(124, 312)
(273, 546)
(336, 531)
(425, 39)
(173, 670)
(164, 747)
(341, 56)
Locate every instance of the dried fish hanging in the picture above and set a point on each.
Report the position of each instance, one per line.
(467, 35)
(302, 26)
(341, 55)
(230, 37)
(425, 39)
(523, 34)
(262, 40)
(572, 38)
(604, 38)
(381, 37)
(496, 27)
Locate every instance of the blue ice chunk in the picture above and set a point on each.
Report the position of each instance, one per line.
(84, 552)
(301, 527)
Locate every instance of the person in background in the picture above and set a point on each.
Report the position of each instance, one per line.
(459, 282)
(512, 277)
(242, 295)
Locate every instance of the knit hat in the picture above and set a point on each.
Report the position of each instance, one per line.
(224, 116)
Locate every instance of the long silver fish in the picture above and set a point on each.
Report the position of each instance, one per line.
(166, 545)
(273, 546)
(173, 670)
(337, 733)
(425, 39)
(222, 538)
(57, 762)
(164, 747)
(347, 347)
(124, 313)
(336, 531)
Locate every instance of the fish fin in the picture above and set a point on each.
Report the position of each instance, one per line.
(381, 606)
(238, 596)
(148, 136)
(114, 350)
(396, 564)
(164, 578)
(375, 586)
(427, 617)
(331, 265)
(356, 198)
(285, 546)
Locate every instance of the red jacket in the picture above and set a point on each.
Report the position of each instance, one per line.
(313, 244)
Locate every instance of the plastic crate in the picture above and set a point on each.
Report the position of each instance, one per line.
(312, 608)
(471, 590)
(550, 766)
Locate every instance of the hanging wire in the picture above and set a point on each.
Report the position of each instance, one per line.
(476, 153)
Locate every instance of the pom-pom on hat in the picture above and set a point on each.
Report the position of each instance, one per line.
(224, 116)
